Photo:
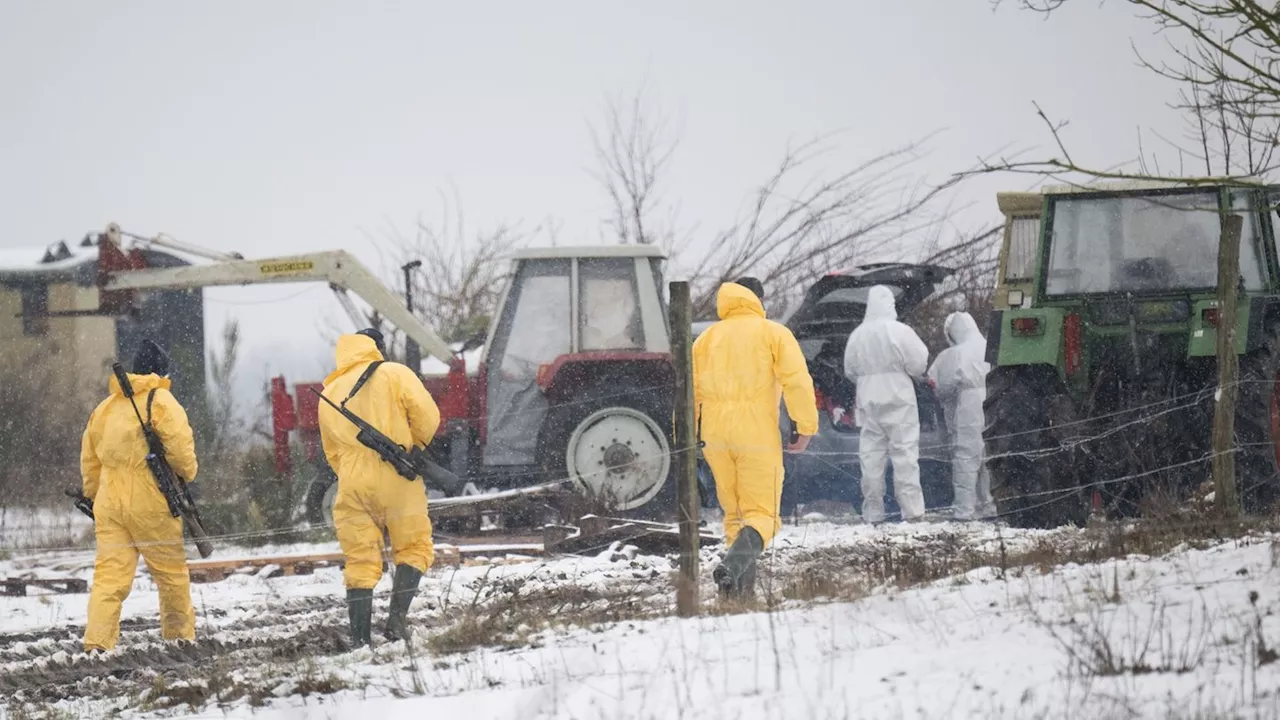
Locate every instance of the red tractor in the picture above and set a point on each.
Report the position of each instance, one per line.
(571, 386)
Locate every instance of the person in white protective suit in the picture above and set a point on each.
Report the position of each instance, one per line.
(959, 375)
(881, 357)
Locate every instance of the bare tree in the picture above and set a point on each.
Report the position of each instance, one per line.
(457, 287)
(800, 224)
(1228, 69)
(973, 259)
(633, 150)
(224, 430)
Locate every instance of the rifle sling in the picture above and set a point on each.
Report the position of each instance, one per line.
(364, 378)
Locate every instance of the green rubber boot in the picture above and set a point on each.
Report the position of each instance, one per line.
(736, 574)
(403, 590)
(360, 613)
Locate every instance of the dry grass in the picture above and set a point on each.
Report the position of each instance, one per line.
(221, 686)
(514, 611)
(846, 572)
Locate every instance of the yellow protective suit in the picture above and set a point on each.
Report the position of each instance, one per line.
(742, 366)
(372, 496)
(130, 513)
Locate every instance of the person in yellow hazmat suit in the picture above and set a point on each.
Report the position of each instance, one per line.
(372, 496)
(742, 367)
(130, 513)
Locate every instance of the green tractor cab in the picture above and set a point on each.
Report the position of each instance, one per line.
(1104, 376)
(1015, 270)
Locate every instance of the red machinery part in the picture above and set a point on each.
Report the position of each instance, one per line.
(284, 418)
(111, 259)
(309, 418)
(1072, 343)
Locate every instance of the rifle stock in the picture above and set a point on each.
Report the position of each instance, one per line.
(82, 503)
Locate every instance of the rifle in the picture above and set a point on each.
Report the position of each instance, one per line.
(174, 489)
(82, 503)
(410, 464)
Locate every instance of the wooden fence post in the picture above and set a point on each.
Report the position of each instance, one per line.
(680, 316)
(1224, 412)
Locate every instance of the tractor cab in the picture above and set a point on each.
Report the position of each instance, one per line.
(1015, 271)
(577, 370)
(1108, 365)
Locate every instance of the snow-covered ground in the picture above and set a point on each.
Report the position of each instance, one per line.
(866, 622)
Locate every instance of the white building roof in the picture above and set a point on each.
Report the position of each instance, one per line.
(31, 259)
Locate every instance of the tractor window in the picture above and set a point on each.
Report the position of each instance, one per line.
(1024, 237)
(532, 331)
(1134, 244)
(539, 326)
(609, 310)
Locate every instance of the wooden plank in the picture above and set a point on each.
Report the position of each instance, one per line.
(17, 587)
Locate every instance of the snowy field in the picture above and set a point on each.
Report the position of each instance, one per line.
(931, 620)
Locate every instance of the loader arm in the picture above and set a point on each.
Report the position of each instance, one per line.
(338, 268)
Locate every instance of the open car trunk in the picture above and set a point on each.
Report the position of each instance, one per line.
(833, 307)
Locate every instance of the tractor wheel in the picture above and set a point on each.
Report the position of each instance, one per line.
(1033, 476)
(1257, 427)
(617, 452)
(320, 495)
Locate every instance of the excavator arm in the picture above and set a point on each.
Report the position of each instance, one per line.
(340, 269)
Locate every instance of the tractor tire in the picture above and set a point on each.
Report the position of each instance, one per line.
(320, 494)
(1034, 478)
(1257, 427)
(616, 451)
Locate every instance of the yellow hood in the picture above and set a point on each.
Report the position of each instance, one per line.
(142, 384)
(734, 299)
(353, 350)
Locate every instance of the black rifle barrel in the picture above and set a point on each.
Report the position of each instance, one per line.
(174, 488)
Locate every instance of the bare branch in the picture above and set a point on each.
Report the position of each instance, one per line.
(633, 151)
(1228, 64)
(457, 286)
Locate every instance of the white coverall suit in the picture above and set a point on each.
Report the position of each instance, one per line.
(882, 356)
(960, 376)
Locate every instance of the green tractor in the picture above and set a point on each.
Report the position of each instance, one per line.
(1103, 379)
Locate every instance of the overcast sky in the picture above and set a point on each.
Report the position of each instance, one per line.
(285, 127)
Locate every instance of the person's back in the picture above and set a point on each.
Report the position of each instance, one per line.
(372, 496)
(131, 516)
(959, 374)
(389, 400)
(741, 365)
(882, 356)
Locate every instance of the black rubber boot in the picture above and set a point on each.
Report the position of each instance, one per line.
(360, 613)
(403, 591)
(736, 574)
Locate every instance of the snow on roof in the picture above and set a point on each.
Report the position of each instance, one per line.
(37, 259)
(571, 251)
(431, 367)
